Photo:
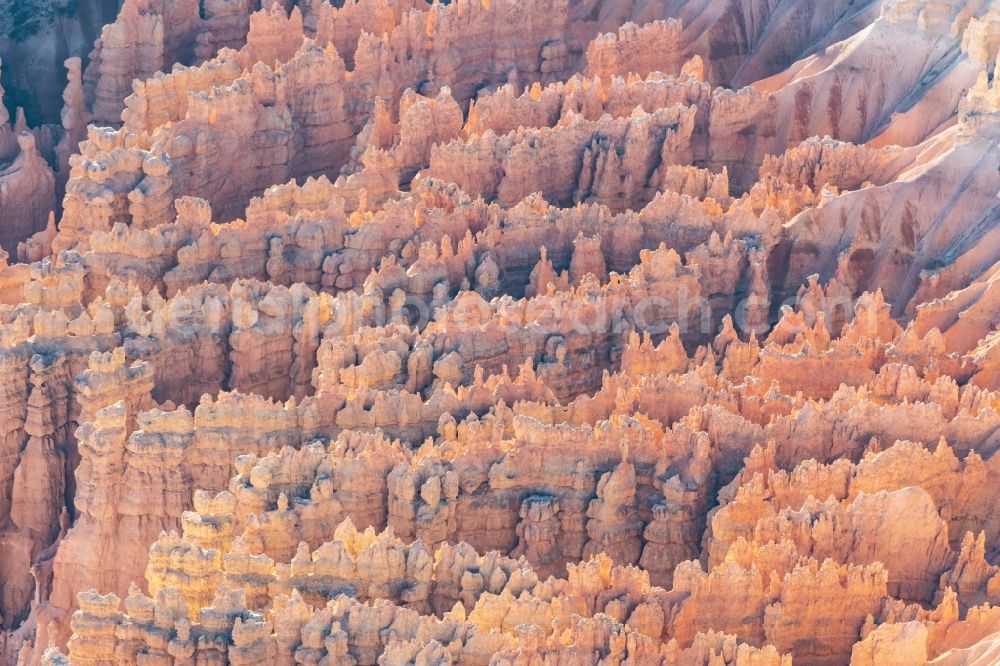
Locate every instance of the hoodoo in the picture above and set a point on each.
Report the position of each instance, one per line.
(500, 332)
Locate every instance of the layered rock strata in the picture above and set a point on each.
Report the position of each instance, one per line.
(492, 332)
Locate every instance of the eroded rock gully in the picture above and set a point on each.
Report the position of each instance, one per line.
(500, 332)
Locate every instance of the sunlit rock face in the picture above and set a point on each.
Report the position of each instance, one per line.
(503, 332)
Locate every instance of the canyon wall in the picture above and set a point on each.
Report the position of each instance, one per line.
(501, 332)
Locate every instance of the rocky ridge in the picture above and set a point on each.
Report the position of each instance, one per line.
(505, 333)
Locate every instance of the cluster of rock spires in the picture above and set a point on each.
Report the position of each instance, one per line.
(507, 332)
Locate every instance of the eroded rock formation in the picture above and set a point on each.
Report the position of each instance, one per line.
(502, 332)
